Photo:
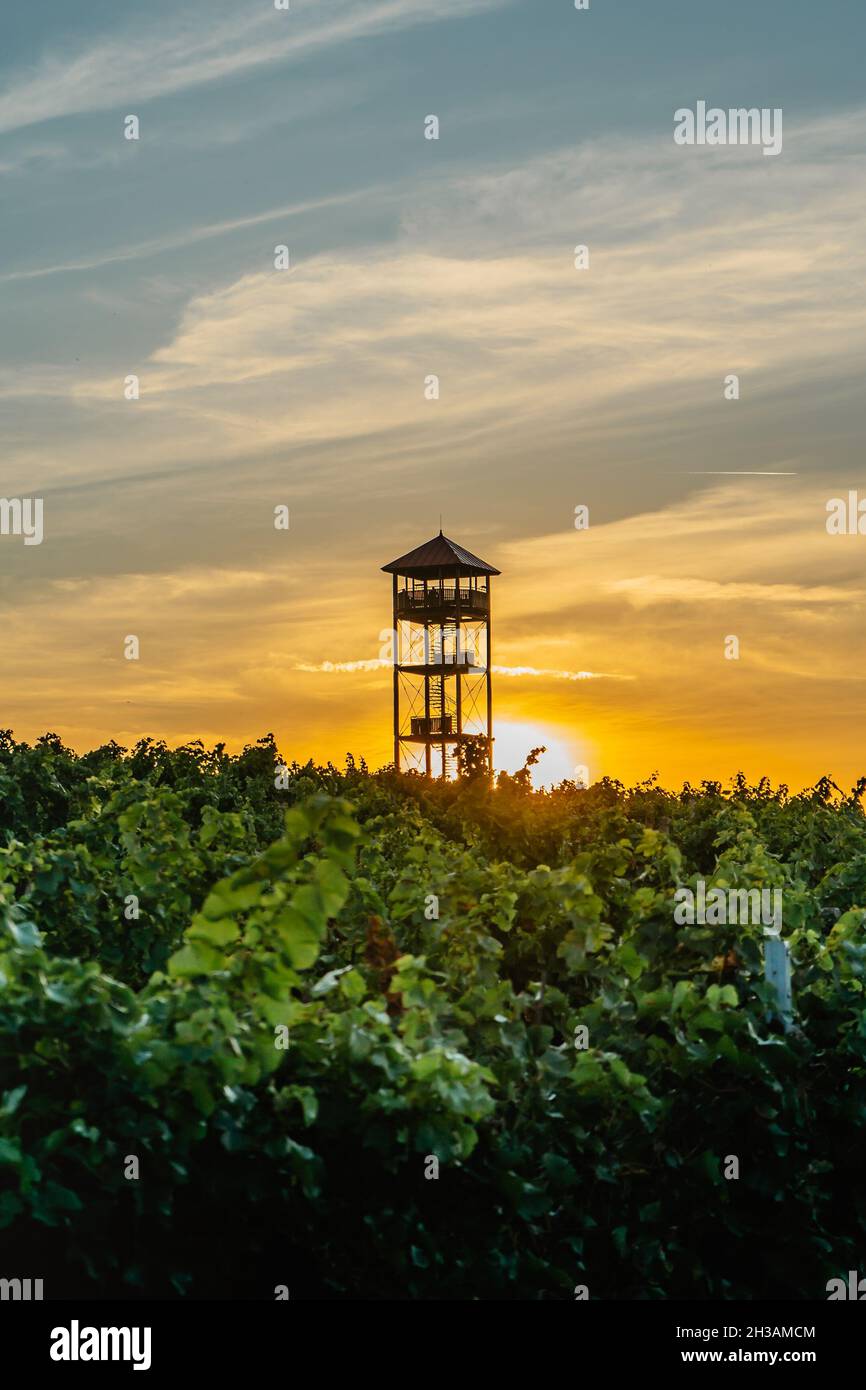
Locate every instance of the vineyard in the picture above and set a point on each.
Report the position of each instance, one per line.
(359, 1036)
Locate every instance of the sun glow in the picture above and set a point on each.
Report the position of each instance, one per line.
(514, 741)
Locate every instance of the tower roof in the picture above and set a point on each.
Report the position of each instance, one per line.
(439, 554)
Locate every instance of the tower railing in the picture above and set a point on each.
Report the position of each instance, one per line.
(436, 724)
(417, 601)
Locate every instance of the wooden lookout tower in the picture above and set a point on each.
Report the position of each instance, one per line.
(443, 701)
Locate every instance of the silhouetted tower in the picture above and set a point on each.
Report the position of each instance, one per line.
(443, 700)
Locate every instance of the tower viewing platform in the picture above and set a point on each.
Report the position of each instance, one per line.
(441, 600)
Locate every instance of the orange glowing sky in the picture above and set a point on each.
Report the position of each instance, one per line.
(306, 388)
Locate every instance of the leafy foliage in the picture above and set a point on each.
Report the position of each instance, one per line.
(429, 953)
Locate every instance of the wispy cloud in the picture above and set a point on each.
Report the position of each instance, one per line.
(190, 236)
(682, 557)
(333, 354)
(30, 156)
(379, 664)
(375, 664)
(554, 675)
(645, 589)
(338, 348)
(206, 44)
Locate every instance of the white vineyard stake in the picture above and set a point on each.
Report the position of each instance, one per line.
(777, 973)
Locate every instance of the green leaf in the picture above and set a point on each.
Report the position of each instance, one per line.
(633, 964)
(24, 933)
(299, 940)
(427, 1064)
(333, 885)
(232, 896)
(10, 1151)
(196, 958)
(215, 933)
(352, 986)
(11, 1100)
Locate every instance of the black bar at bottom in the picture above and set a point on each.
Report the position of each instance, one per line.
(252, 1338)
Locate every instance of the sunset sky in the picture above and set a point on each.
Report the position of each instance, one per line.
(411, 257)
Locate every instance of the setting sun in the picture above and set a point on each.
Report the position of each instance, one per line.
(562, 759)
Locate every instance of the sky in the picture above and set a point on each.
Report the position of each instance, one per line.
(409, 257)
